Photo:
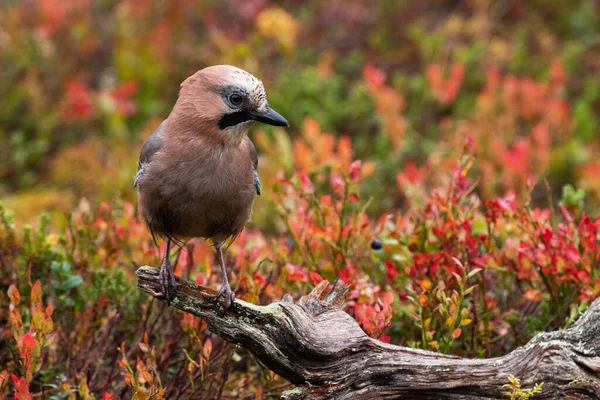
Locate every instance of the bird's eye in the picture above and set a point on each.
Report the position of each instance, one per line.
(235, 99)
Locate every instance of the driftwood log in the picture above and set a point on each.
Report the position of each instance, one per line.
(322, 350)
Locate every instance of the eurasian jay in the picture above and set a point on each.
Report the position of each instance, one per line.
(197, 173)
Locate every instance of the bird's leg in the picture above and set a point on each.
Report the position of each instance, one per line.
(225, 289)
(167, 276)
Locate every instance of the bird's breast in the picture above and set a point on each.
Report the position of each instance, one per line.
(208, 194)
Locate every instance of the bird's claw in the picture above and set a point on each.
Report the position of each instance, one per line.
(167, 281)
(225, 290)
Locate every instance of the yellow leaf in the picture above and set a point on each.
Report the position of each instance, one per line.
(144, 347)
(276, 23)
(426, 285)
(13, 294)
(36, 292)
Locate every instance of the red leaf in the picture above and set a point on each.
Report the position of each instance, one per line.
(566, 213)
(518, 159)
(344, 275)
(384, 338)
(122, 96)
(388, 299)
(338, 185)
(557, 73)
(390, 270)
(355, 171)
(316, 278)
(305, 182)
(78, 101)
(22, 388)
(374, 75)
(547, 235)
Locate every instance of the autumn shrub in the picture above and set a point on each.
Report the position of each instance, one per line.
(456, 274)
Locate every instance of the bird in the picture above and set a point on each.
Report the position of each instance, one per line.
(197, 172)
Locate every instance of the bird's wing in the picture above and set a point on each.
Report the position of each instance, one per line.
(153, 144)
(254, 158)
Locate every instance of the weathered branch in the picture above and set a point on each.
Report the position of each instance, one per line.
(322, 350)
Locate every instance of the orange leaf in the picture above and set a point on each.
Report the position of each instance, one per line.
(533, 295)
(207, 349)
(456, 334)
(147, 376)
(129, 379)
(388, 298)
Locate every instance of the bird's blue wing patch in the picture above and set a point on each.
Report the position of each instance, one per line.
(257, 183)
(139, 175)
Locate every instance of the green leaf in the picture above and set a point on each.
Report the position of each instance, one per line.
(571, 198)
(72, 282)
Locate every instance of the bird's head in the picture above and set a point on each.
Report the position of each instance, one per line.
(227, 100)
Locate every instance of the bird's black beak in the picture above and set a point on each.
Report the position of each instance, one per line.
(270, 117)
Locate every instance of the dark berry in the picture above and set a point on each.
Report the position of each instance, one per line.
(377, 244)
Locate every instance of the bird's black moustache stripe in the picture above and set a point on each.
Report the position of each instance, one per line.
(235, 118)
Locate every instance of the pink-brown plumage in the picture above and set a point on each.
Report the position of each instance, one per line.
(197, 172)
(207, 189)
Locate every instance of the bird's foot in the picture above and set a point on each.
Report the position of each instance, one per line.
(225, 290)
(167, 281)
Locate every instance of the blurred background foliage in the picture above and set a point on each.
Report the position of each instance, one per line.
(84, 82)
(499, 100)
